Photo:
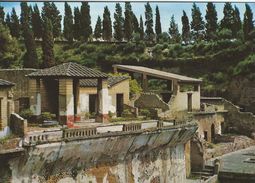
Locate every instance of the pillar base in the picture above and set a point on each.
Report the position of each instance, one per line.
(67, 120)
(103, 118)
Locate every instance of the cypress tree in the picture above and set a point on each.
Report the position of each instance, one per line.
(51, 12)
(197, 23)
(2, 14)
(118, 23)
(107, 25)
(30, 58)
(228, 19)
(141, 28)
(173, 31)
(158, 30)
(247, 22)
(77, 23)
(135, 24)
(68, 23)
(98, 28)
(37, 22)
(8, 22)
(86, 29)
(237, 24)
(47, 44)
(149, 22)
(128, 23)
(185, 28)
(211, 21)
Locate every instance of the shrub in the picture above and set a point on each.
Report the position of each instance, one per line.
(126, 114)
(145, 112)
(26, 114)
(47, 116)
(135, 88)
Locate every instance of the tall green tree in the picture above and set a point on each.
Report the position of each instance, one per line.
(9, 49)
(141, 28)
(149, 22)
(185, 28)
(51, 12)
(86, 29)
(8, 22)
(98, 28)
(135, 24)
(107, 25)
(30, 57)
(228, 19)
(173, 31)
(128, 22)
(47, 44)
(36, 22)
(118, 23)
(248, 25)
(77, 24)
(158, 30)
(15, 24)
(237, 23)
(197, 23)
(211, 21)
(2, 14)
(68, 23)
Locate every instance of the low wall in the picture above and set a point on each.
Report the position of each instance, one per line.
(152, 156)
(18, 125)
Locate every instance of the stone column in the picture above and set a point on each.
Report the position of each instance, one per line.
(76, 94)
(35, 99)
(103, 106)
(66, 102)
(145, 82)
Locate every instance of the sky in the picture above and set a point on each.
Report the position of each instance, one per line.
(167, 9)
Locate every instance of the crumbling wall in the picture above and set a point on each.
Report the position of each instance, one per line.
(18, 125)
(156, 156)
(237, 121)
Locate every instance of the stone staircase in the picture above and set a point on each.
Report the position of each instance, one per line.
(206, 173)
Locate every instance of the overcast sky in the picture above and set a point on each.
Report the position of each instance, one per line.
(167, 9)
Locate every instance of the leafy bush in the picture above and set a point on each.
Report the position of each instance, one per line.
(145, 112)
(134, 87)
(26, 114)
(47, 116)
(126, 114)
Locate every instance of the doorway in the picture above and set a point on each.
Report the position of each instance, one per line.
(212, 133)
(92, 103)
(189, 102)
(119, 104)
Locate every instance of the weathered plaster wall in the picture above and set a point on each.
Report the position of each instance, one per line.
(156, 156)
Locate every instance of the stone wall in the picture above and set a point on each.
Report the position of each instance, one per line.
(148, 157)
(18, 125)
(237, 121)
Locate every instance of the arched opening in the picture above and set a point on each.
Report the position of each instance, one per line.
(212, 132)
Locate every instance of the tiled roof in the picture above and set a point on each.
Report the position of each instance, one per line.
(6, 83)
(157, 73)
(111, 81)
(70, 69)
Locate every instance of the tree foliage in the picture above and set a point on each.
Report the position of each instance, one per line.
(98, 28)
(51, 12)
(247, 22)
(47, 44)
(118, 23)
(173, 31)
(128, 23)
(158, 30)
(77, 24)
(107, 25)
(185, 28)
(86, 29)
(2, 14)
(68, 23)
(141, 28)
(9, 49)
(149, 22)
(36, 22)
(211, 21)
(197, 23)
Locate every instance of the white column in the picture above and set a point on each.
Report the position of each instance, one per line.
(103, 105)
(38, 98)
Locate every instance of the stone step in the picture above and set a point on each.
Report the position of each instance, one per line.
(207, 174)
(209, 170)
(209, 166)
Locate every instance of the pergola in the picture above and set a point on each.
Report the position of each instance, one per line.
(63, 82)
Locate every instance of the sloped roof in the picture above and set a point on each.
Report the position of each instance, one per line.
(111, 81)
(71, 70)
(157, 73)
(6, 83)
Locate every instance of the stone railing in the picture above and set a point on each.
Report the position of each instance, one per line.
(79, 132)
(40, 137)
